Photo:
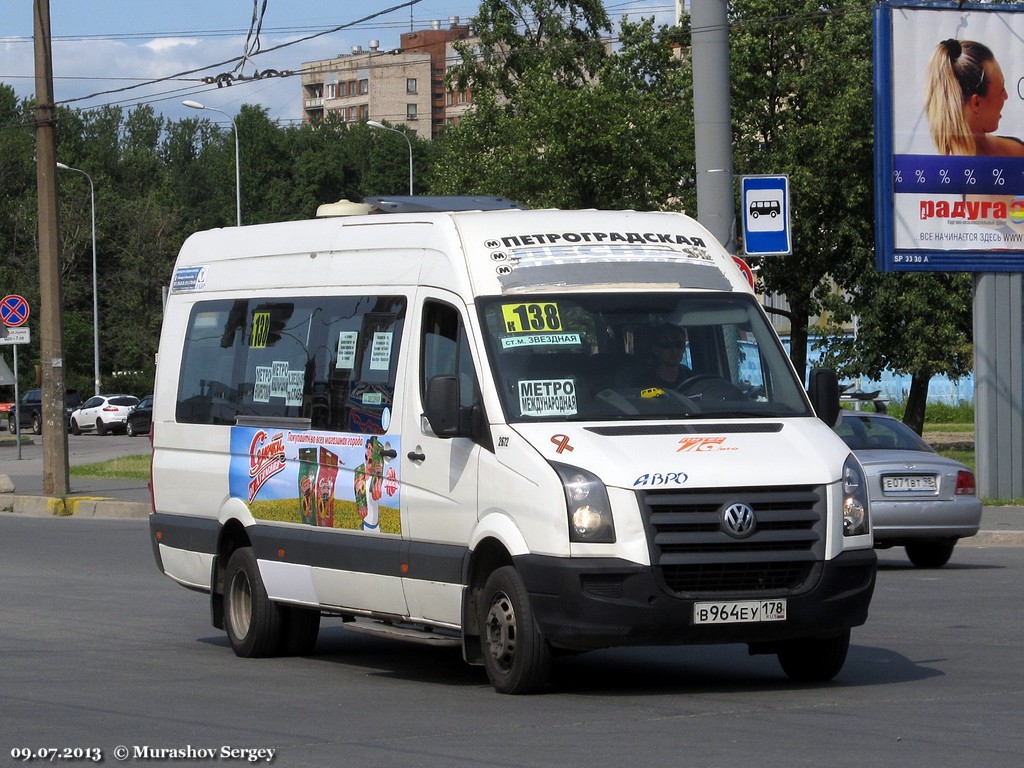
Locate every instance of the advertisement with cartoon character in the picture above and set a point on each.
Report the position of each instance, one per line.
(323, 479)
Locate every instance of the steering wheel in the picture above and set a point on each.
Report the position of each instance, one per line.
(706, 386)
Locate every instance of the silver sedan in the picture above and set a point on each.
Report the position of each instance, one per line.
(920, 500)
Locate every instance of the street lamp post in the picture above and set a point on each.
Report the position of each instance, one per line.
(238, 174)
(376, 124)
(95, 296)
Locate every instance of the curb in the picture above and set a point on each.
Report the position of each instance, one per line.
(80, 506)
(111, 509)
(994, 539)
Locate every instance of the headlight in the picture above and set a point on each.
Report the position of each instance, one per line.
(855, 499)
(590, 513)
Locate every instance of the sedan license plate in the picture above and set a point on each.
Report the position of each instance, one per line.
(739, 612)
(908, 484)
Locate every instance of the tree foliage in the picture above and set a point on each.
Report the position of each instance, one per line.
(563, 117)
(621, 139)
(155, 182)
(518, 36)
(801, 92)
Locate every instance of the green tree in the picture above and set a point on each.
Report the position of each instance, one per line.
(908, 323)
(801, 96)
(623, 138)
(516, 36)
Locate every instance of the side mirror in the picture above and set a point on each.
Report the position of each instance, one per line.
(823, 389)
(442, 405)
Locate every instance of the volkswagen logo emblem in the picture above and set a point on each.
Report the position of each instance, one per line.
(738, 520)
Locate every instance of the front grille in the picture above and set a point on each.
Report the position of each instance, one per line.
(693, 554)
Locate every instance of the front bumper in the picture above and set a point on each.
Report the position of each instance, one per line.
(589, 604)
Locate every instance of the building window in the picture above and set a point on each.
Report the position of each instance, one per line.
(364, 87)
(410, 111)
(410, 85)
(329, 87)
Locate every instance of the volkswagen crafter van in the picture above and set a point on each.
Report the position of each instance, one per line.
(458, 428)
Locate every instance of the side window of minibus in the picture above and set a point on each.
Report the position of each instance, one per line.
(446, 351)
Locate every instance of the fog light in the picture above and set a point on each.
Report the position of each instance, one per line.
(587, 522)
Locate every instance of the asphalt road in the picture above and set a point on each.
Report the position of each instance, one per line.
(101, 651)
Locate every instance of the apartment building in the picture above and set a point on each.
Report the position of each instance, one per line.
(405, 85)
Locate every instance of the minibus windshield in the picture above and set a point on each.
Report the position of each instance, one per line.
(622, 356)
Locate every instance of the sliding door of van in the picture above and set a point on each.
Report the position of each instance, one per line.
(439, 488)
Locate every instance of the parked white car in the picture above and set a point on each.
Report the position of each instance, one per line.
(102, 414)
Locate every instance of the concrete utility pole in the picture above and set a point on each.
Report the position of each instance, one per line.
(709, 27)
(55, 433)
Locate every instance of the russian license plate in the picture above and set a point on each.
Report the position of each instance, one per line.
(739, 612)
(908, 483)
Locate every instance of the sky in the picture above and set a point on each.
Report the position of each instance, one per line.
(103, 49)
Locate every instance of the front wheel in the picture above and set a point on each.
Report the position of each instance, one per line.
(516, 656)
(37, 424)
(814, 660)
(129, 429)
(75, 429)
(252, 620)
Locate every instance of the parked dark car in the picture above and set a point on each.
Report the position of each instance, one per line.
(140, 418)
(31, 410)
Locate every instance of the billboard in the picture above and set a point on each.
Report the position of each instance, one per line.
(949, 137)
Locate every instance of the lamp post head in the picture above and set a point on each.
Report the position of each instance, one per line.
(193, 104)
(377, 124)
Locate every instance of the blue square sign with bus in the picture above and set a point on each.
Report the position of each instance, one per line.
(765, 214)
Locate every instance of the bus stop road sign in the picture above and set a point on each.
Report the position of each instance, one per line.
(765, 214)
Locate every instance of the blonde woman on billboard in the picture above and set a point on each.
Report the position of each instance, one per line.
(964, 101)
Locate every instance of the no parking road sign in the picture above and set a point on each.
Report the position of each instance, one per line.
(14, 311)
(765, 214)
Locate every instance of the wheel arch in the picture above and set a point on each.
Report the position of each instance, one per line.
(488, 555)
(233, 535)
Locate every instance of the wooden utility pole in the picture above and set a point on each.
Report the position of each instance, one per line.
(55, 433)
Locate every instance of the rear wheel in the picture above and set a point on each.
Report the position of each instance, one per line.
(129, 429)
(814, 660)
(516, 656)
(101, 428)
(930, 554)
(75, 429)
(252, 620)
(37, 424)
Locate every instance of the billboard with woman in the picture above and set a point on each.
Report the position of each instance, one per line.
(949, 123)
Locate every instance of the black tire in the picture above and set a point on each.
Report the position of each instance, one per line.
(252, 620)
(930, 554)
(814, 660)
(37, 424)
(75, 429)
(101, 428)
(12, 424)
(129, 429)
(516, 656)
(300, 627)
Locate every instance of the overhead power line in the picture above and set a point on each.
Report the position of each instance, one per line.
(241, 59)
